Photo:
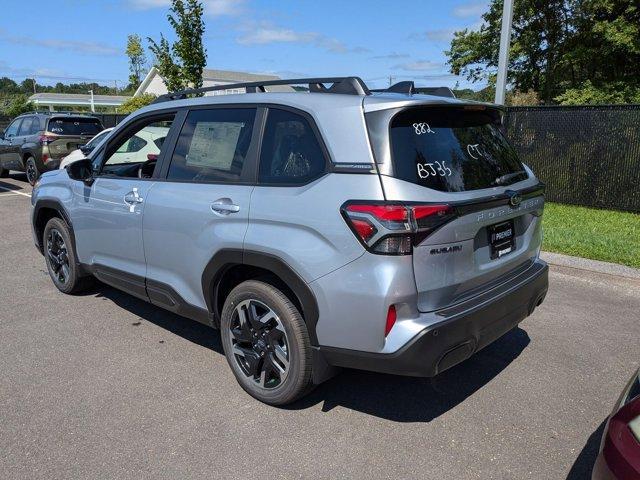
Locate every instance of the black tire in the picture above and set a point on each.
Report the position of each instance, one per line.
(60, 257)
(31, 169)
(4, 173)
(297, 379)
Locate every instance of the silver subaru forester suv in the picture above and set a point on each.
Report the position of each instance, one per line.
(332, 227)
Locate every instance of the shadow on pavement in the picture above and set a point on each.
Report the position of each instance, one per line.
(583, 465)
(401, 399)
(13, 186)
(188, 329)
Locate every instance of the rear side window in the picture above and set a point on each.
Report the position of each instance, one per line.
(290, 150)
(35, 126)
(133, 145)
(453, 149)
(213, 145)
(74, 126)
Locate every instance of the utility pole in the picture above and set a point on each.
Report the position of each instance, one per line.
(93, 107)
(34, 84)
(391, 78)
(503, 56)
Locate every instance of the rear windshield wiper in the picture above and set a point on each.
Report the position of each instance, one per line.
(505, 178)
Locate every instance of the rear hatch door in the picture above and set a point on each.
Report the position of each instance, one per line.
(66, 133)
(457, 155)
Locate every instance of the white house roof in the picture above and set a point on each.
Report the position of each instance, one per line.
(209, 77)
(77, 99)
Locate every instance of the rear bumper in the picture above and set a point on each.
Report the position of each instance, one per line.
(464, 329)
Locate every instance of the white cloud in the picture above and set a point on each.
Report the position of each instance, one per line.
(474, 9)
(212, 8)
(265, 33)
(441, 35)
(391, 56)
(420, 66)
(82, 47)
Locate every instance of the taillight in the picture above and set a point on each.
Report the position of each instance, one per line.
(46, 139)
(392, 228)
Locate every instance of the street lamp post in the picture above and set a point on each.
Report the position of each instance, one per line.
(503, 56)
(93, 106)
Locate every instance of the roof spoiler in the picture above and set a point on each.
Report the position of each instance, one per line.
(409, 88)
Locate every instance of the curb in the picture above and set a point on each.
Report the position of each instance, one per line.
(590, 265)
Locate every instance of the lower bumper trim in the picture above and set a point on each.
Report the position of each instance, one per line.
(445, 344)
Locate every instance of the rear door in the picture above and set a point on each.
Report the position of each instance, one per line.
(202, 204)
(458, 156)
(66, 134)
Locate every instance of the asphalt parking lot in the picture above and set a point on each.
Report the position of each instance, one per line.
(103, 385)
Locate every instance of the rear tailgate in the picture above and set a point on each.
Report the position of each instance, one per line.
(457, 156)
(66, 134)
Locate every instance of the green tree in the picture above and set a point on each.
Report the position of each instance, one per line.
(557, 45)
(19, 104)
(137, 60)
(181, 64)
(134, 103)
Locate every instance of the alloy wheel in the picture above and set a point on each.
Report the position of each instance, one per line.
(260, 344)
(32, 173)
(58, 255)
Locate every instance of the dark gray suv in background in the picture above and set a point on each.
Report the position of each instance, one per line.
(37, 142)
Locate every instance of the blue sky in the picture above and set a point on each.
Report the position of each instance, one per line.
(75, 40)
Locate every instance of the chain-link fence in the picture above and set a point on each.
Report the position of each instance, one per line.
(587, 155)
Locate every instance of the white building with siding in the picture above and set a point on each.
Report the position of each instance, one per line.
(154, 84)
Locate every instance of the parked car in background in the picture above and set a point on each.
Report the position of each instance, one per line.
(619, 457)
(144, 146)
(37, 142)
(340, 227)
(85, 150)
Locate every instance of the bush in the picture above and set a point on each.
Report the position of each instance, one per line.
(589, 94)
(134, 103)
(18, 105)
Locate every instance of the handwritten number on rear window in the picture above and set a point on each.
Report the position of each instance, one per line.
(422, 128)
(426, 170)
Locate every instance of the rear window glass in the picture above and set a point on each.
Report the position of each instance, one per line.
(453, 150)
(74, 126)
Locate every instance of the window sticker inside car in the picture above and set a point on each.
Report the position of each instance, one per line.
(434, 169)
(213, 144)
(422, 128)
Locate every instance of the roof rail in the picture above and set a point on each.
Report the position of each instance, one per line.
(409, 88)
(58, 112)
(344, 85)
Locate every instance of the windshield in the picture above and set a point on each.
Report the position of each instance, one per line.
(74, 126)
(453, 149)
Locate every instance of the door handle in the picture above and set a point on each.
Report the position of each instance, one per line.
(224, 206)
(132, 199)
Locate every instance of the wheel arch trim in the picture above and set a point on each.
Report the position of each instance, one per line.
(53, 205)
(224, 259)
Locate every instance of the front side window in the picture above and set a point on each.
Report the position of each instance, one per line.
(213, 145)
(136, 153)
(290, 150)
(453, 149)
(12, 130)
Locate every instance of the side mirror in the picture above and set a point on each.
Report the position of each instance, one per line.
(81, 170)
(86, 149)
